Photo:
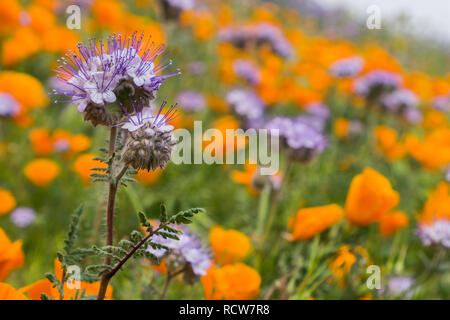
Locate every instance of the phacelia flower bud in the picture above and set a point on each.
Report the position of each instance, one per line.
(150, 138)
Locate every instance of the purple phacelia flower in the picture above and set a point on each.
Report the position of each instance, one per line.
(413, 115)
(441, 103)
(303, 141)
(247, 70)
(347, 67)
(191, 101)
(187, 252)
(100, 72)
(437, 232)
(246, 103)
(401, 287)
(182, 4)
(23, 216)
(260, 33)
(150, 138)
(376, 83)
(400, 99)
(9, 106)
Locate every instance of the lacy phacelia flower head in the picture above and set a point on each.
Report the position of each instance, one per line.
(101, 73)
(186, 253)
(22, 216)
(437, 232)
(303, 141)
(376, 83)
(9, 107)
(246, 104)
(399, 100)
(150, 137)
(247, 70)
(347, 67)
(441, 103)
(191, 101)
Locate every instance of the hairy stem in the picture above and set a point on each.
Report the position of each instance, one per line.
(112, 191)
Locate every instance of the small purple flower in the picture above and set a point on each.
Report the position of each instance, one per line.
(187, 251)
(377, 82)
(9, 106)
(400, 286)
(191, 101)
(196, 67)
(23, 216)
(318, 109)
(182, 4)
(303, 141)
(247, 70)
(246, 103)
(399, 99)
(413, 115)
(447, 174)
(441, 103)
(262, 32)
(438, 232)
(347, 67)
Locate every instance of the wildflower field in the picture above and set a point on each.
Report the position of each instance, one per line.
(115, 179)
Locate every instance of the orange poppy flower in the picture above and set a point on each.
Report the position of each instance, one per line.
(35, 290)
(41, 172)
(11, 255)
(390, 223)
(231, 282)
(369, 197)
(7, 201)
(8, 292)
(229, 246)
(83, 165)
(308, 222)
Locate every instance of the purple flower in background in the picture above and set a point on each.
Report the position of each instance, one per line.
(182, 4)
(400, 286)
(23, 216)
(262, 33)
(413, 115)
(347, 67)
(318, 109)
(400, 99)
(377, 82)
(191, 101)
(187, 251)
(247, 70)
(196, 67)
(441, 103)
(9, 106)
(447, 174)
(99, 71)
(303, 141)
(438, 232)
(246, 103)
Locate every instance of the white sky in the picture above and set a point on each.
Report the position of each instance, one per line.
(431, 17)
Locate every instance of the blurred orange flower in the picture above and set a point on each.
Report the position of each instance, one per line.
(308, 222)
(437, 205)
(229, 245)
(83, 165)
(8, 292)
(41, 172)
(11, 255)
(45, 286)
(231, 282)
(390, 223)
(369, 197)
(7, 201)
(342, 264)
(148, 178)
